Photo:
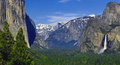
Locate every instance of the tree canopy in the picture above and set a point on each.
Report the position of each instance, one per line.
(13, 52)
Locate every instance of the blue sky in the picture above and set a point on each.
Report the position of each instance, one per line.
(53, 11)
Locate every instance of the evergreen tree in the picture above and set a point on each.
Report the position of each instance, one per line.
(6, 43)
(1, 47)
(20, 52)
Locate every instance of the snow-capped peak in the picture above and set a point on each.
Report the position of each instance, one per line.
(92, 15)
(45, 29)
(41, 26)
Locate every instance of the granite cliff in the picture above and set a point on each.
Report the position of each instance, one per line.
(107, 24)
(14, 12)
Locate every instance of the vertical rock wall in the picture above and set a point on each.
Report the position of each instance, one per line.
(14, 12)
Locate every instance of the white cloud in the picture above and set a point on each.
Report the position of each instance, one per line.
(54, 19)
(63, 1)
(66, 14)
(62, 17)
(57, 17)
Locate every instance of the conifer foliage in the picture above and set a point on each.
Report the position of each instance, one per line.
(6, 43)
(13, 52)
(20, 51)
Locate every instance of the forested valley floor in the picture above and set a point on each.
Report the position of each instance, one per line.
(73, 57)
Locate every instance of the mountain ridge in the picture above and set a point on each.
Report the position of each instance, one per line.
(44, 30)
(68, 34)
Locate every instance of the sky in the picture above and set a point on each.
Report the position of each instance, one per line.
(54, 11)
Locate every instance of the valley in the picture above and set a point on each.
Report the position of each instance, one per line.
(73, 57)
(41, 35)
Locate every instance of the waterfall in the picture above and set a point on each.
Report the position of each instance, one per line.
(104, 47)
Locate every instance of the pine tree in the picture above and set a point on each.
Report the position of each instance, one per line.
(20, 52)
(1, 47)
(6, 43)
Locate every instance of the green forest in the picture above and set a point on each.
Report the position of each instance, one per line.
(15, 52)
(73, 57)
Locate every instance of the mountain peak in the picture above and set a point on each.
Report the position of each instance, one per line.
(111, 13)
(112, 4)
(92, 15)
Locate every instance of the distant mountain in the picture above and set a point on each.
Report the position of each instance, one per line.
(44, 30)
(67, 36)
(91, 33)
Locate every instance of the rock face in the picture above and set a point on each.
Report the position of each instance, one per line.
(91, 36)
(31, 30)
(109, 24)
(39, 44)
(66, 36)
(112, 13)
(114, 39)
(14, 12)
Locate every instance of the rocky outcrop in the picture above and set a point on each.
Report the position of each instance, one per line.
(114, 39)
(14, 12)
(109, 24)
(112, 13)
(39, 43)
(31, 29)
(91, 36)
